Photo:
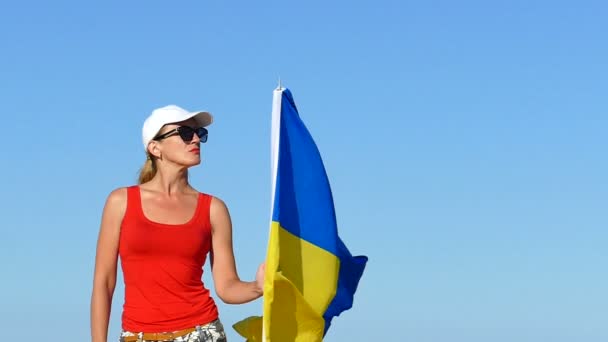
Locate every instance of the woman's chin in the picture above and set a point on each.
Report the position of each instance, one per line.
(189, 162)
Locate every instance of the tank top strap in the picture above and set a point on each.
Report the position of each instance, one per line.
(203, 210)
(133, 202)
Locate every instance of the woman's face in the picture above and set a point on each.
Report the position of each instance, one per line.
(174, 149)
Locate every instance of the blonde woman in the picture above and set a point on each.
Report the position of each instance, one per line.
(163, 229)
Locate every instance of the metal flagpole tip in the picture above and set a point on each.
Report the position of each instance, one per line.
(279, 87)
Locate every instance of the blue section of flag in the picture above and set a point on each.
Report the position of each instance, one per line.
(351, 270)
(304, 205)
(303, 200)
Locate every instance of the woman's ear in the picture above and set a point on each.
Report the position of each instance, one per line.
(154, 149)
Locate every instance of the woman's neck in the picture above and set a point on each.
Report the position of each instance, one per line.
(170, 181)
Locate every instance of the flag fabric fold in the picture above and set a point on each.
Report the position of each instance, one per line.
(311, 277)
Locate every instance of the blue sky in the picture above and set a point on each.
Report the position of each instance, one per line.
(465, 143)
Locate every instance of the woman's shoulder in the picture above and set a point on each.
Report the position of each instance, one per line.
(211, 197)
(205, 194)
(117, 200)
(215, 203)
(118, 194)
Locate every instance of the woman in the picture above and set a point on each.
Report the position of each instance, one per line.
(163, 229)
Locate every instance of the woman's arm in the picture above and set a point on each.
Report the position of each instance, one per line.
(228, 285)
(104, 279)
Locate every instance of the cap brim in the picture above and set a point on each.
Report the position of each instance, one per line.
(204, 119)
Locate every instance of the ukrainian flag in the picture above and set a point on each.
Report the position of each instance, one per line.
(311, 276)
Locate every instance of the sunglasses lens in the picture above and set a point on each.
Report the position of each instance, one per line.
(186, 133)
(203, 134)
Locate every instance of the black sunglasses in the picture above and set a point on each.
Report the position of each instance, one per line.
(186, 133)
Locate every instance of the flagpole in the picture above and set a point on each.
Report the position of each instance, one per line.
(274, 157)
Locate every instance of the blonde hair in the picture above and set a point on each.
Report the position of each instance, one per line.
(148, 171)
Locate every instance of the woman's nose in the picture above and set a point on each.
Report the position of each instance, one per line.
(195, 139)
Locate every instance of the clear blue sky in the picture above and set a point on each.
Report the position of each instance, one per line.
(465, 142)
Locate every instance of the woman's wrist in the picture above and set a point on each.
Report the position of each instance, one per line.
(257, 289)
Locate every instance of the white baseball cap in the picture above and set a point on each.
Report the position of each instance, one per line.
(170, 114)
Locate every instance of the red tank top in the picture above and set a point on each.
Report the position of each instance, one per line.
(163, 266)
